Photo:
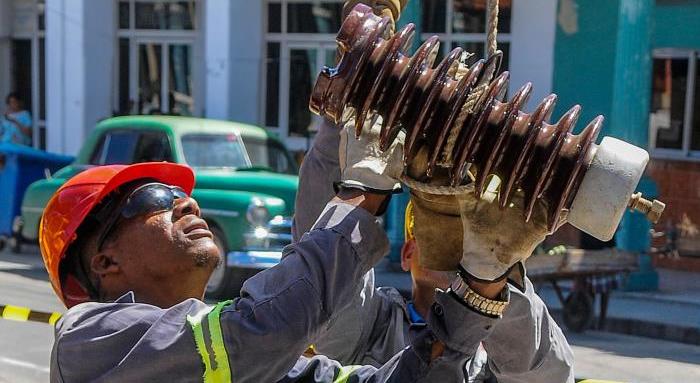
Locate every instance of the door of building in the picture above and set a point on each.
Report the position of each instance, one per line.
(162, 77)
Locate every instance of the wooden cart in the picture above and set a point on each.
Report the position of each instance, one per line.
(593, 272)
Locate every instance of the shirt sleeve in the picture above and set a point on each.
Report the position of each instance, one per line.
(453, 324)
(527, 345)
(317, 175)
(24, 118)
(370, 331)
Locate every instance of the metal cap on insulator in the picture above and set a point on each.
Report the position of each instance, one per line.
(605, 191)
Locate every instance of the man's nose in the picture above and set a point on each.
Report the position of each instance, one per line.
(185, 206)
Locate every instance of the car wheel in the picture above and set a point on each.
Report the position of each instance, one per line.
(3, 241)
(218, 285)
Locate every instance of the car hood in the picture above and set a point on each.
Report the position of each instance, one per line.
(278, 185)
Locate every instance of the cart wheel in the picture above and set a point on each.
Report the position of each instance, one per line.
(578, 311)
(16, 240)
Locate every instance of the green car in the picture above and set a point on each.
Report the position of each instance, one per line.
(246, 184)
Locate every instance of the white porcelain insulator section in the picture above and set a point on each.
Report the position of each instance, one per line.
(606, 188)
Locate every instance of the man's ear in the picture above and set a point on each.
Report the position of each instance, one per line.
(407, 252)
(103, 264)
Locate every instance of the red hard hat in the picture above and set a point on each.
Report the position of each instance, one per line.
(70, 205)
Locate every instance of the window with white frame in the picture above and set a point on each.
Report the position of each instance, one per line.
(300, 39)
(156, 71)
(27, 63)
(674, 120)
(463, 23)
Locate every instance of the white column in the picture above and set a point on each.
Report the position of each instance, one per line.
(100, 61)
(217, 58)
(5, 29)
(532, 48)
(79, 55)
(247, 57)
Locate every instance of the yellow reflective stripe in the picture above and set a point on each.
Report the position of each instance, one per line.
(221, 371)
(16, 313)
(344, 374)
(196, 323)
(54, 318)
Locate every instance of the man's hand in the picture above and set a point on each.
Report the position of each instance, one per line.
(495, 239)
(363, 165)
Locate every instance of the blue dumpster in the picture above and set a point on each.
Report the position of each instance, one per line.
(19, 167)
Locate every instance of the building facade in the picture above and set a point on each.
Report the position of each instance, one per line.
(78, 61)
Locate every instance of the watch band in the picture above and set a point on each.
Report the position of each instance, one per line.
(478, 303)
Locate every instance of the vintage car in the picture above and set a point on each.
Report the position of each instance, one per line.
(246, 184)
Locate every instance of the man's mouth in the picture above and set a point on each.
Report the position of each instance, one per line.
(197, 229)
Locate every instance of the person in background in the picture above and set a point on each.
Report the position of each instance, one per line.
(16, 122)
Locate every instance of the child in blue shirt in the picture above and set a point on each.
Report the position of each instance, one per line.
(16, 123)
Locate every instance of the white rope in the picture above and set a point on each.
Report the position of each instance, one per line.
(492, 35)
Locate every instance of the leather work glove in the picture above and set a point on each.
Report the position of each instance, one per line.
(363, 166)
(496, 239)
(383, 8)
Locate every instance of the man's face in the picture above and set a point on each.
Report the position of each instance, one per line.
(422, 278)
(170, 249)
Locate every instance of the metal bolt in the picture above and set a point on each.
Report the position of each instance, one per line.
(651, 209)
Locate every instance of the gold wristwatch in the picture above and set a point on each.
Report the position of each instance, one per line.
(489, 307)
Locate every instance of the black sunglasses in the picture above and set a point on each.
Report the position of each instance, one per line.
(146, 199)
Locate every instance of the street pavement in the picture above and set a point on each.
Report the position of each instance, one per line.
(25, 348)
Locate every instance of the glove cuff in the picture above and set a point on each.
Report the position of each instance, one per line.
(350, 184)
(338, 186)
(515, 275)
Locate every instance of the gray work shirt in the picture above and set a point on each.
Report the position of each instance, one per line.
(525, 346)
(279, 313)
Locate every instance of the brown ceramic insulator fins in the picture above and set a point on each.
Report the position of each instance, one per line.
(460, 120)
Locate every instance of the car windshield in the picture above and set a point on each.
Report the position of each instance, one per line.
(227, 151)
(270, 154)
(214, 151)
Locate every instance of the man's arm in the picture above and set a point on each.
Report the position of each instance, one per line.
(527, 345)
(282, 309)
(348, 332)
(319, 171)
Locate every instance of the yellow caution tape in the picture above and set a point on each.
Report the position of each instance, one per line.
(16, 313)
(54, 318)
(24, 314)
